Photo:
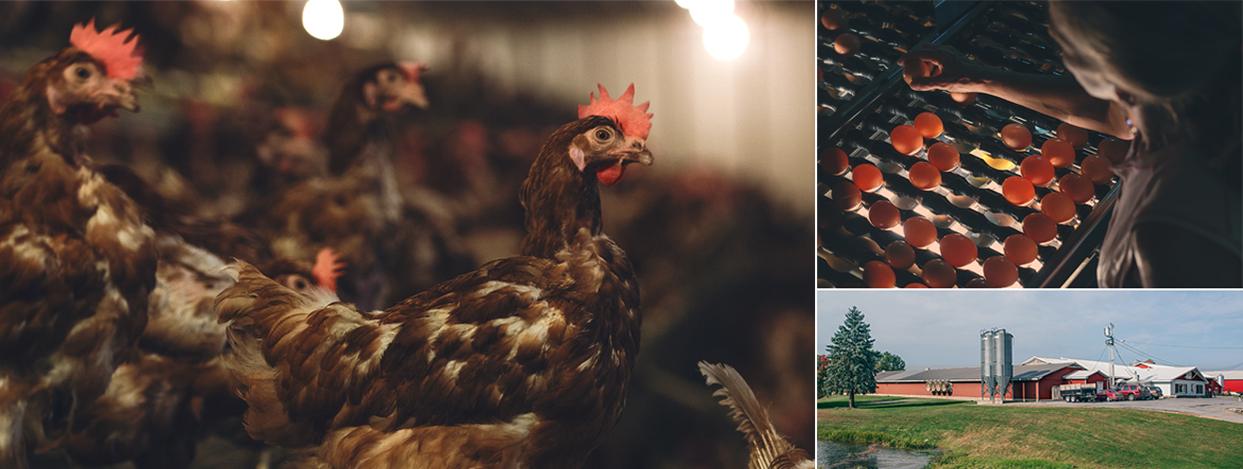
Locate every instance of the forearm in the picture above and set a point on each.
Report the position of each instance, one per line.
(1059, 97)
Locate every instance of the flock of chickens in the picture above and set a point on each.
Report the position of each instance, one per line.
(128, 330)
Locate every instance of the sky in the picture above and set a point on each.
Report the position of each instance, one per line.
(941, 329)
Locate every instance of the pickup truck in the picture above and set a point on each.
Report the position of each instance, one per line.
(1129, 392)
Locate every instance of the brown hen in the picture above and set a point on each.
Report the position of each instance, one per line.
(521, 363)
(76, 261)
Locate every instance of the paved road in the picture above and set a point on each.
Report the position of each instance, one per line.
(1215, 407)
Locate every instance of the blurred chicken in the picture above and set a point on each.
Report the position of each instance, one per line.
(769, 450)
(289, 147)
(153, 409)
(159, 407)
(289, 152)
(358, 208)
(522, 363)
(76, 261)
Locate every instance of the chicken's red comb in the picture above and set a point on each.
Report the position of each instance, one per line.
(412, 70)
(327, 269)
(634, 120)
(118, 51)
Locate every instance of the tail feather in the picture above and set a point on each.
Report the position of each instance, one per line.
(768, 448)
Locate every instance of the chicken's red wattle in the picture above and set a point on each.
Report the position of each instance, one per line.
(611, 174)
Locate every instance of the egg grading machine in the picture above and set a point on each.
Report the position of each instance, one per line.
(1010, 35)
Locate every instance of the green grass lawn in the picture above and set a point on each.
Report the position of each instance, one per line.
(975, 436)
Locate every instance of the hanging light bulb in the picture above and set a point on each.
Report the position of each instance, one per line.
(323, 19)
(726, 38)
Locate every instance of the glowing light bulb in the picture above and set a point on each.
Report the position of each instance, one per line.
(706, 12)
(726, 38)
(323, 19)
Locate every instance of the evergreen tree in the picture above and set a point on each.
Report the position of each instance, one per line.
(890, 362)
(852, 362)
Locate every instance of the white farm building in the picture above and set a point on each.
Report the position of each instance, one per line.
(1173, 380)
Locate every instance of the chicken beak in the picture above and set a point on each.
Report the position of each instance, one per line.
(409, 93)
(636, 152)
(415, 95)
(118, 93)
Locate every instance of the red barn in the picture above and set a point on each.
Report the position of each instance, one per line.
(1030, 382)
(1230, 381)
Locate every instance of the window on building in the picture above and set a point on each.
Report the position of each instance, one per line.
(1199, 389)
(1180, 388)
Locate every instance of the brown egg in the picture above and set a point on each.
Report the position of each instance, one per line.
(900, 255)
(1058, 207)
(963, 98)
(834, 20)
(846, 196)
(939, 274)
(1016, 137)
(924, 176)
(929, 125)
(915, 69)
(1075, 135)
(1000, 271)
(866, 177)
(958, 250)
(915, 285)
(906, 139)
(878, 275)
(1018, 191)
(1078, 188)
(1036, 170)
(943, 156)
(1097, 169)
(1058, 152)
(1020, 249)
(1040, 228)
(834, 161)
(884, 215)
(919, 231)
(978, 283)
(1113, 149)
(846, 44)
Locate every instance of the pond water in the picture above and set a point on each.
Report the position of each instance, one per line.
(830, 455)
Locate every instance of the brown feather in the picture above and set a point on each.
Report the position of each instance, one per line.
(769, 450)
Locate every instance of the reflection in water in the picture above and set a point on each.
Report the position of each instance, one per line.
(830, 455)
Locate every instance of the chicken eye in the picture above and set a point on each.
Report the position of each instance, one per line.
(300, 284)
(602, 134)
(83, 73)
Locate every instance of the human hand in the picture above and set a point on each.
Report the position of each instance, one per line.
(942, 68)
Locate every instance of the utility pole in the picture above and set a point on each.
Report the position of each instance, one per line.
(1109, 342)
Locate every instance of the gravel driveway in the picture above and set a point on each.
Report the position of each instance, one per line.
(1210, 407)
